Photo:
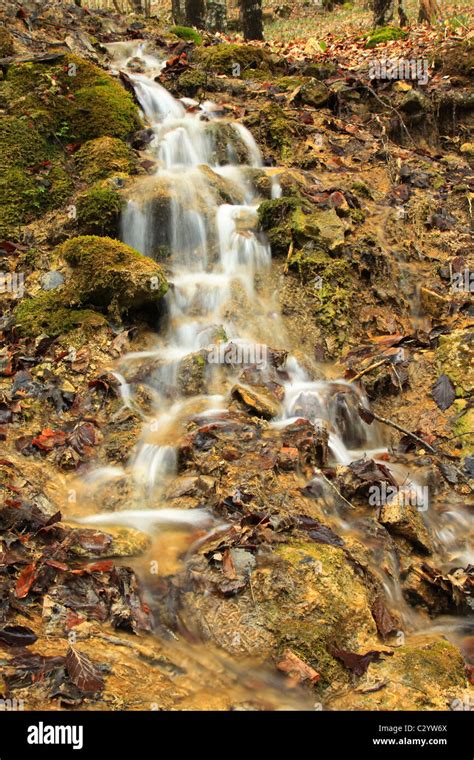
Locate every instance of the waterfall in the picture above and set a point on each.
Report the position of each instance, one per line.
(216, 254)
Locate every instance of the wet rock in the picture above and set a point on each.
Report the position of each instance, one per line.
(402, 518)
(117, 542)
(306, 597)
(261, 402)
(192, 374)
(196, 485)
(427, 673)
(425, 586)
(310, 441)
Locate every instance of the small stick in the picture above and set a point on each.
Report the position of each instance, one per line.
(368, 369)
(331, 484)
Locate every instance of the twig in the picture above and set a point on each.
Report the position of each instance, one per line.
(436, 452)
(398, 427)
(368, 369)
(331, 484)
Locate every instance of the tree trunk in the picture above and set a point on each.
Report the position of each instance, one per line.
(178, 11)
(216, 16)
(252, 20)
(428, 11)
(195, 13)
(137, 6)
(383, 12)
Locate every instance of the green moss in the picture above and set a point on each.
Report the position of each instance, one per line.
(357, 215)
(192, 81)
(438, 662)
(104, 156)
(273, 128)
(360, 188)
(275, 219)
(108, 274)
(385, 34)
(72, 99)
(47, 313)
(32, 178)
(326, 603)
(100, 110)
(464, 426)
(288, 83)
(98, 209)
(187, 33)
(224, 58)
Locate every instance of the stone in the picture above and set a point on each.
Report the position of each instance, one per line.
(261, 402)
(52, 280)
(400, 517)
(314, 93)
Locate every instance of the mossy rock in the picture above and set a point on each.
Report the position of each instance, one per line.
(320, 70)
(193, 81)
(427, 673)
(308, 599)
(227, 144)
(33, 177)
(275, 217)
(456, 359)
(105, 109)
(48, 314)
(314, 93)
(73, 99)
(290, 220)
(98, 209)
(108, 274)
(103, 157)
(224, 58)
(187, 33)
(360, 188)
(274, 128)
(385, 34)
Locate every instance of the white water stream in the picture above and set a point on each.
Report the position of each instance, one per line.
(216, 256)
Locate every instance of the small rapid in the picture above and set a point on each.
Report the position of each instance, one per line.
(217, 259)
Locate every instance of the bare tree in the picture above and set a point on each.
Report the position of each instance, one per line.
(383, 11)
(252, 19)
(178, 11)
(428, 11)
(195, 13)
(216, 15)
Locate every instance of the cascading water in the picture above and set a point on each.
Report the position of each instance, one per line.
(215, 255)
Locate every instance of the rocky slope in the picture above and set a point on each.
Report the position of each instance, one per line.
(370, 242)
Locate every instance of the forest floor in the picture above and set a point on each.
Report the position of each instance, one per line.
(373, 268)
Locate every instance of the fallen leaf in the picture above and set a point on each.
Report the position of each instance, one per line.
(443, 392)
(82, 672)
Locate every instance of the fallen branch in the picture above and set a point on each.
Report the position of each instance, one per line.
(366, 414)
(367, 369)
